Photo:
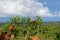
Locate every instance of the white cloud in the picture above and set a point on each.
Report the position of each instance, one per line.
(44, 12)
(23, 8)
(58, 13)
(3, 16)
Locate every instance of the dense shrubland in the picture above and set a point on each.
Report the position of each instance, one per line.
(26, 29)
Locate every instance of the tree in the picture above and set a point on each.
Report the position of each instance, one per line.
(15, 20)
(28, 28)
(23, 25)
(38, 23)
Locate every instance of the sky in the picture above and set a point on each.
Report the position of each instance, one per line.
(49, 10)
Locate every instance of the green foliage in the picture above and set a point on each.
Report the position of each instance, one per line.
(15, 19)
(5, 27)
(27, 27)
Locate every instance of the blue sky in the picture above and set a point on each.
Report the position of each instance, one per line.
(53, 5)
(49, 10)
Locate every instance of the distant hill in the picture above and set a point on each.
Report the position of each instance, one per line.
(44, 19)
(4, 19)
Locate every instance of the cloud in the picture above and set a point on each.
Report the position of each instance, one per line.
(58, 13)
(44, 12)
(23, 8)
(3, 16)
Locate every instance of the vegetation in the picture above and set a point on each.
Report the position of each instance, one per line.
(25, 28)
